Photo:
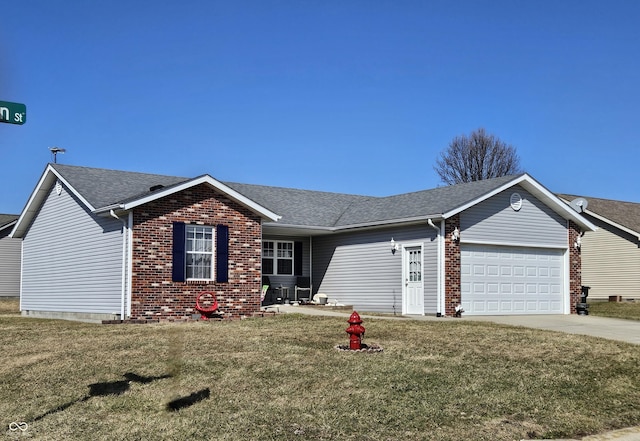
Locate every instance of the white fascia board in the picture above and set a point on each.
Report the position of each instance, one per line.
(484, 197)
(403, 221)
(10, 224)
(613, 224)
(538, 190)
(37, 197)
(206, 179)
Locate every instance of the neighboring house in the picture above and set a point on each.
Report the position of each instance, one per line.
(9, 258)
(611, 255)
(110, 244)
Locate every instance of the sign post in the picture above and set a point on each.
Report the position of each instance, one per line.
(13, 113)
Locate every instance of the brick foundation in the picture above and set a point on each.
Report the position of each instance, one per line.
(154, 295)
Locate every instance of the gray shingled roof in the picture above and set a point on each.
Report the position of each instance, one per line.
(315, 208)
(426, 203)
(622, 213)
(102, 187)
(6, 219)
(308, 208)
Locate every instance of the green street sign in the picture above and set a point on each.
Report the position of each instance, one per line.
(13, 113)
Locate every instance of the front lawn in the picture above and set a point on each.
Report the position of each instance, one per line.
(623, 310)
(282, 379)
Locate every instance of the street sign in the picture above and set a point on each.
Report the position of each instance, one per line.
(13, 113)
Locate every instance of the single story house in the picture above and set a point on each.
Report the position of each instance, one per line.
(9, 258)
(611, 254)
(104, 244)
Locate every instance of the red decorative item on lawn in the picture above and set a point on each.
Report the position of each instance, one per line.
(355, 331)
(206, 312)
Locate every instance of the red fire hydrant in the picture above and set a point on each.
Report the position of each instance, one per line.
(355, 331)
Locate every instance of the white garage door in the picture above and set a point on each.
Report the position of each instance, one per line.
(508, 280)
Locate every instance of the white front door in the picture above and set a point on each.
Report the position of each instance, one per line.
(413, 290)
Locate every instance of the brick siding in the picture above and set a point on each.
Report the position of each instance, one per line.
(452, 278)
(154, 295)
(575, 267)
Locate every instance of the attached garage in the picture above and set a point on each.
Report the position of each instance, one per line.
(499, 280)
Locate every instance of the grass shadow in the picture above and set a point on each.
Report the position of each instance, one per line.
(105, 389)
(190, 400)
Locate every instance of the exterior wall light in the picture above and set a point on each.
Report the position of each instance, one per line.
(578, 243)
(394, 246)
(455, 235)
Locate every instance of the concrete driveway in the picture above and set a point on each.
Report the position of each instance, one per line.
(612, 329)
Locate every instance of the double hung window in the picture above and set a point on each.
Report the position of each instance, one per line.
(278, 258)
(199, 252)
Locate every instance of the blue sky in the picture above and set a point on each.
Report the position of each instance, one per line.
(344, 96)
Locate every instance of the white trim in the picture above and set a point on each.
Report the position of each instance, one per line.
(537, 190)
(129, 262)
(21, 272)
(613, 224)
(275, 257)
(10, 224)
(211, 253)
(515, 244)
(38, 196)
(439, 266)
(404, 273)
(566, 288)
(607, 220)
(443, 269)
(51, 174)
(205, 179)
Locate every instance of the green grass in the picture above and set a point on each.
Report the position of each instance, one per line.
(623, 310)
(281, 379)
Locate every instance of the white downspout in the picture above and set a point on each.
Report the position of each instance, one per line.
(443, 271)
(129, 263)
(311, 266)
(124, 263)
(439, 270)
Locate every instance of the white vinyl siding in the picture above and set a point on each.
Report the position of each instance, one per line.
(359, 269)
(9, 265)
(72, 259)
(494, 222)
(610, 263)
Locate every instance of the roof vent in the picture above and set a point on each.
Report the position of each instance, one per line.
(156, 187)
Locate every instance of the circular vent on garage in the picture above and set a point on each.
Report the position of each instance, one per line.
(516, 201)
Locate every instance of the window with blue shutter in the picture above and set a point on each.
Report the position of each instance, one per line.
(222, 253)
(194, 247)
(179, 236)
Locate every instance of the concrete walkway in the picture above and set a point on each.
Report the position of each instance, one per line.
(612, 329)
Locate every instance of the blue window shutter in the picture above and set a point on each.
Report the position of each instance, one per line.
(222, 253)
(179, 242)
(297, 258)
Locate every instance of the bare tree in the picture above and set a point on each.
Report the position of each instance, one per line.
(476, 157)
